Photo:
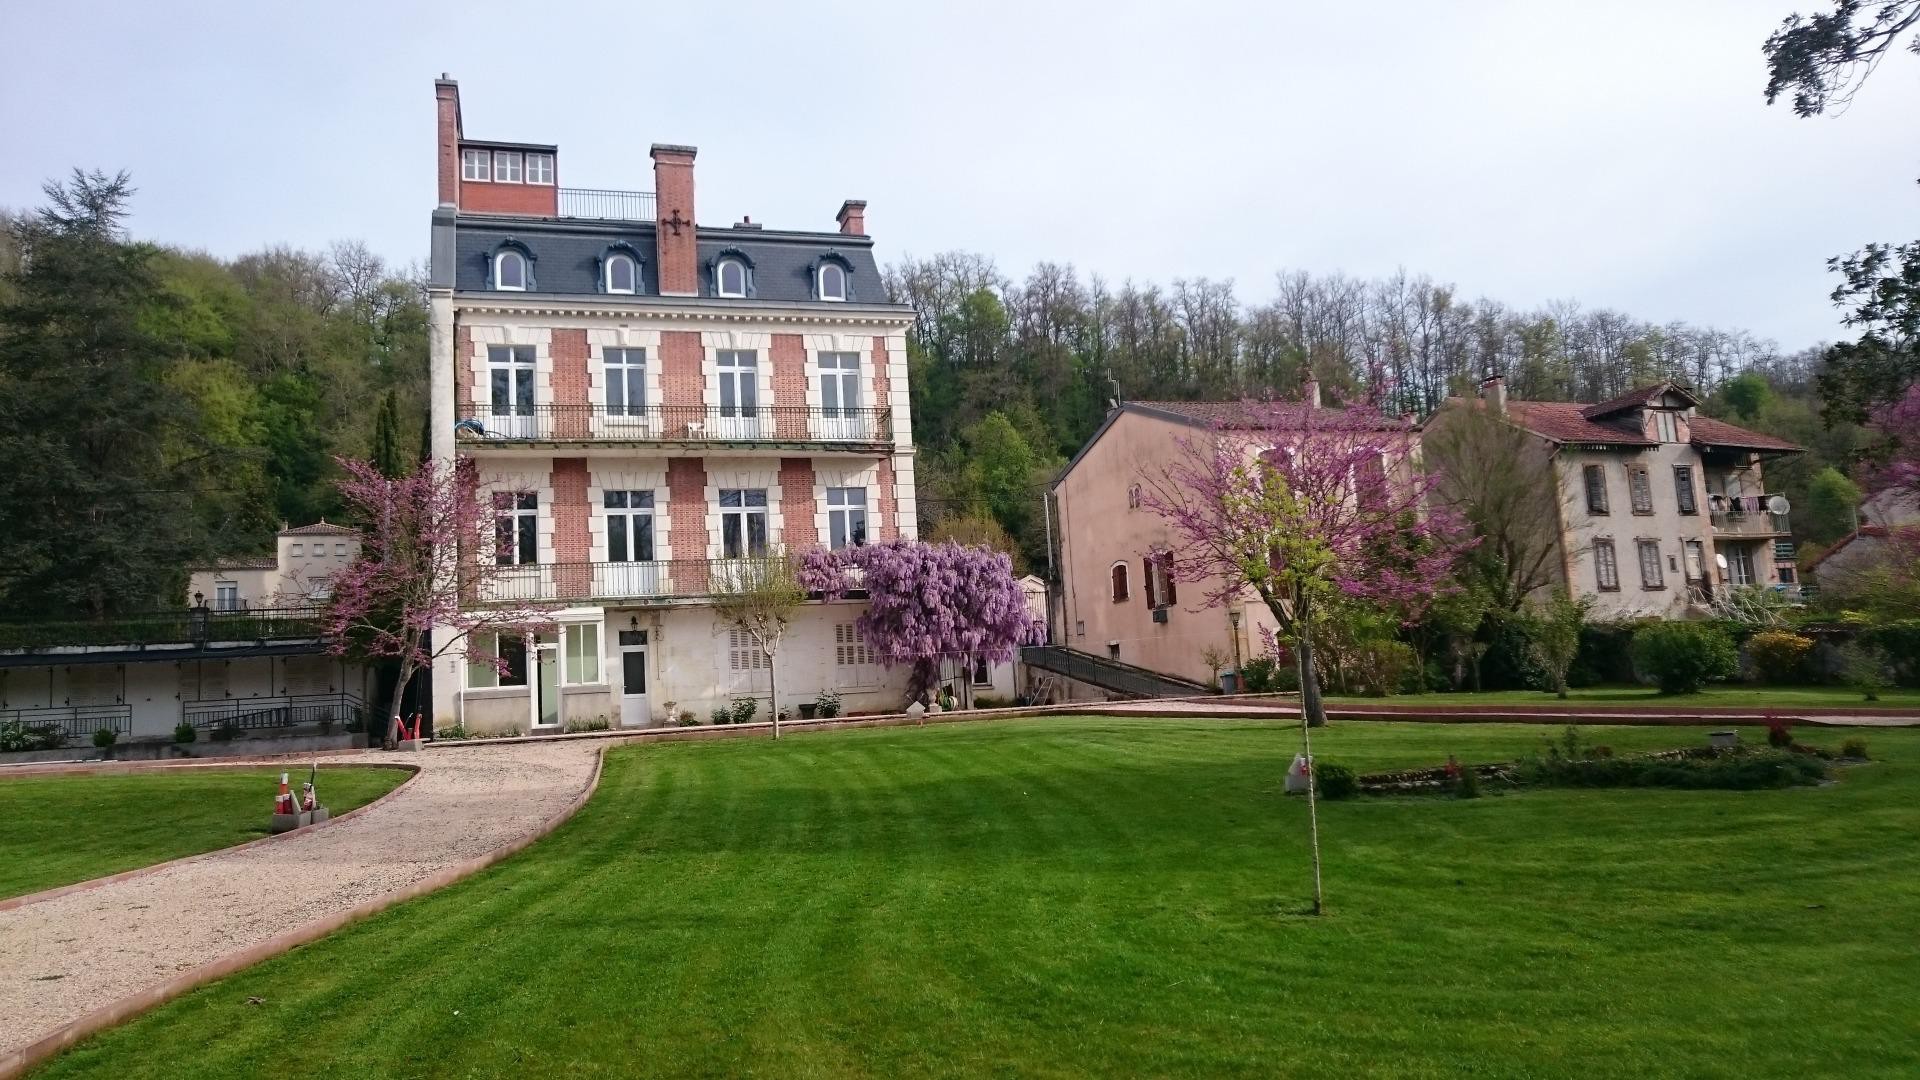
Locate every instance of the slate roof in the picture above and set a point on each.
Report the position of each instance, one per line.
(320, 528)
(567, 253)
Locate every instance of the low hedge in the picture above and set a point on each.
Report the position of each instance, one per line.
(1737, 770)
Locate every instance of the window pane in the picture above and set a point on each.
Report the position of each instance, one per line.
(501, 381)
(616, 538)
(836, 529)
(730, 535)
(858, 518)
(756, 497)
(643, 537)
(528, 545)
(729, 496)
(756, 534)
(506, 167)
(733, 279)
(514, 651)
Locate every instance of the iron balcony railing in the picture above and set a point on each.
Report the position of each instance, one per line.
(73, 722)
(294, 710)
(197, 625)
(657, 581)
(679, 424)
(603, 204)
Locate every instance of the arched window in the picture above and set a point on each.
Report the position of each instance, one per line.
(1119, 582)
(510, 270)
(622, 275)
(833, 281)
(730, 277)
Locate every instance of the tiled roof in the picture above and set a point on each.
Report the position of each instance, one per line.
(263, 562)
(1566, 422)
(1634, 399)
(1709, 432)
(319, 528)
(1230, 414)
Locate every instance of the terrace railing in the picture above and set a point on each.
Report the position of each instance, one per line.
(679, 424)
(1745, 516)
(76, 723)
(182, 626)
(603, 204)
(296, 710)
(658, 581)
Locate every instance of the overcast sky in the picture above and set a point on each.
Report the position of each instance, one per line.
(1619, 154)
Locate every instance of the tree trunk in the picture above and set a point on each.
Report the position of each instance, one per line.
(1313, 711)
(1313, 800)
(392, 738)
(773, 693)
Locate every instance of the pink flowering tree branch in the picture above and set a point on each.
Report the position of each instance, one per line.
(1306, 508)
(419, 589)
(1898, 423)
(928, 603)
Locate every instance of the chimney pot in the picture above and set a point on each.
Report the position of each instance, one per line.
(1310, 393)
(853, 217)
(446, 94)
(1494, 392)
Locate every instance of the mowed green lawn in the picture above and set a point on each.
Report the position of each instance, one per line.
(1114, 898)
(1719, 696)
(56, 830)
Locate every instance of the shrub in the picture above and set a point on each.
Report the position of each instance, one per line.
(1863, 668)
(18, 736)
(1334, 781)
(184, 732)
(1381, 665)
(1605, 656)
(988, 701)
(743, 710)
(580, 724)
(1256, 675)
(1740, 770)
(827, 704)
(225, 731)
(687, 718)
(1509, 663)
(1900, 641)
(1777, 656)
(455, 732)
(1468, 786)
(1855, 747)
(722, 714)
(1779, 732)
(1682, 657)
(105, 736)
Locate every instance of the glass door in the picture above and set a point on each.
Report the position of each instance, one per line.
(546, 703)
(739, 373)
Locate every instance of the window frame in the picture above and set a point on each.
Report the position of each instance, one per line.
(484, 676)
(508, 166)
(1119, 585)
(820, 282)
(526, 270)
(1666, 426)
(516, 528)
(575, 655)
(545, 160)
(1594, 478)
(1658, 579)
(519, 365)
(618, 363)
(633, 275)
(476, 165)
(1640, 490)
(1684, 495)
(981, 671)
(1740, 558)
(840, 373)
(740, 518)
(1606, 565)
(720, 278)
(634, 509)
(847, 524)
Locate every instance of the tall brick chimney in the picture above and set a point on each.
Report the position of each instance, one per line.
(853, 217)
(1310, 392)
(1494, 391)
(679, 253)
(446, 93)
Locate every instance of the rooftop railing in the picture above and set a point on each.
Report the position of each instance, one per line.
(679, 424)
(183, 626)
(604, 204)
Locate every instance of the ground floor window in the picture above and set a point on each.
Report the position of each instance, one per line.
(982, 672)
(481, 674)
(583, 652)
(1740, 565)
(852, 660)
(746, 663)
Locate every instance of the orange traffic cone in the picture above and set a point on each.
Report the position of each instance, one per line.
(283, 802)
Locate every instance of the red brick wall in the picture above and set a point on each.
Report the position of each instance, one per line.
(799, 531)
(462, 373)
(447, 122)
(485, 196)
(679, 264)
(683, 386)
(889, 505)
(882, 399)
(572, 539)
(570, 386)
(790, 386)
(687, 507)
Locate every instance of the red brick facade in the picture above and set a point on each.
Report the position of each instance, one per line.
(889, 504)
(789, 386)
(881, 384)
(571, 387)
(572, 538)
(687, 507)
(486, 197)
(798, 529)
(462, 372)
(447, 149)
(683, 383)
(679, 264)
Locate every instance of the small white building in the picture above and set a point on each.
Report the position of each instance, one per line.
(304, 562)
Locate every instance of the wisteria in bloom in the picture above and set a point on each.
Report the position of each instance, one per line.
(426, 563)
(929, 602)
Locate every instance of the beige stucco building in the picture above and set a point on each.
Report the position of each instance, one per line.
(298, 572)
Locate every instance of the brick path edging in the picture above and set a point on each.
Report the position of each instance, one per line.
(12, 902)
(18, 1062)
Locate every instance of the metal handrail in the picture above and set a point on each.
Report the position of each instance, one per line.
(606, 204)
(185, 625)
(678, 424)
(73, 721)
(290, 710)
(658, 580)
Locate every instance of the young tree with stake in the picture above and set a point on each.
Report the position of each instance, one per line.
(758, 596)
(426, 563)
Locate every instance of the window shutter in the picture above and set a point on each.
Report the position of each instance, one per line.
(1596, 489)
(1640, 489)
(1166, 565)
(1119, 582)
(1146, 581)
(1683, 488)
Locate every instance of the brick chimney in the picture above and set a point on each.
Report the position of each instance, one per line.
(1310, 392)
(853, 217)
(1494, 392)
(446, 93)
(679, 253)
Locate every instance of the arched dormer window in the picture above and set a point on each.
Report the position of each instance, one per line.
(1119, 573)
(512, 267)
(620, 270)
(732, 274)
(832, 278)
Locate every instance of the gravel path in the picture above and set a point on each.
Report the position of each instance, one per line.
(64, 957)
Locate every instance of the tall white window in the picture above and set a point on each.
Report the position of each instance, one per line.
(510, 271)
(852, 659)
(629, 526)
(476, 165)
(1606, 567)
(506, 166)
(839, 384)
(582, 649)
(539, 168)
(739, 375)
(621, 274)
(833, 281)
(1740, 564)
(516, 527)
(730, 277)
(226, 596)
(747, 668)
(626, 382)
(510, 388)
(846, 517)
(743, 522)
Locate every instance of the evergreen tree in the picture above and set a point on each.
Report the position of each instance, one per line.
(386, 439)
(104, 455)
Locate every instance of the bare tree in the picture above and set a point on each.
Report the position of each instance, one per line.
(758, 597)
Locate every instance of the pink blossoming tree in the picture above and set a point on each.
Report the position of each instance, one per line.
(929, 603)
(1898, 422)
(426, 561)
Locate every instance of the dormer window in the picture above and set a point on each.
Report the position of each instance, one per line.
(506, 167)
(621, 274)
(833, 281)
(510, 270)
(476, 165)
(1665, 429)
(730, 278)
(539, 168)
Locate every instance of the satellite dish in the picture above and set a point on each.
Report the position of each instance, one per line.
(1722, 560)
(1778, 505)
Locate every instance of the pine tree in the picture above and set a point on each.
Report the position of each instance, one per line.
(386, 439)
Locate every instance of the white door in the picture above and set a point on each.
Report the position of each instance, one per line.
(739, 373)
(633, 679)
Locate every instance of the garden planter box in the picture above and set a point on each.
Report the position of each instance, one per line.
(408, 744)
(289, 822)
(1723, 740)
